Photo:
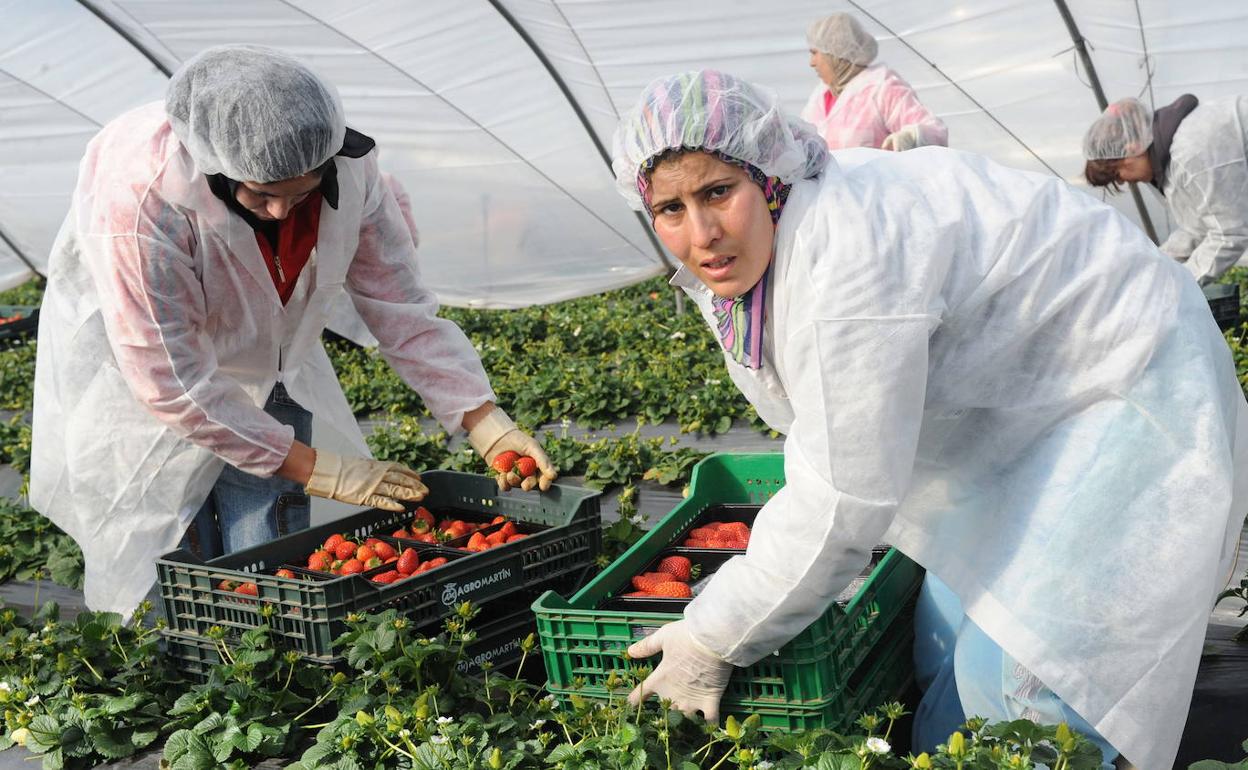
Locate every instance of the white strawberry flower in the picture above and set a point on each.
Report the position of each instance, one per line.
(878, 746)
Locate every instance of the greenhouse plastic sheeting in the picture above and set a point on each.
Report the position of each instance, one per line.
(494, 115)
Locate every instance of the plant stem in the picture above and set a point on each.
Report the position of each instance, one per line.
(727, 754)
(318, 702)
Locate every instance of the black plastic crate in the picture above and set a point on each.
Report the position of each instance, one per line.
(308, 615)
(1223, 301)
(23, 327)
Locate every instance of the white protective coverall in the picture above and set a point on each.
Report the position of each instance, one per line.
(1206, 187)
(1009, 382)
(162, 334)
(875, 104)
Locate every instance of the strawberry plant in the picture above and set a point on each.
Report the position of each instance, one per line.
(1241, 593)
(81, 692)
(31, 546)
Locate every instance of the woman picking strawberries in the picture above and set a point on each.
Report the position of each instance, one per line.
(180, 359)
(988, 369)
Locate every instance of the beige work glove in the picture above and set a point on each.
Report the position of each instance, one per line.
(361, 481)
(907, 138)
(692, 677)
(496, 433)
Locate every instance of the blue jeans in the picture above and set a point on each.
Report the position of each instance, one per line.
(962, 673)
(243, 510)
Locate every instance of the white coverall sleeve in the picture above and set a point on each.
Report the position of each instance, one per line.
(848, 459)
(431, 354)
(155, 316)
(900, 107)
(1223, 216)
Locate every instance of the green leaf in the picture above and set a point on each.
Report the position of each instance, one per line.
(837, 761)
(122, 705)
(561, 753)
(109, 743)
(45, 734)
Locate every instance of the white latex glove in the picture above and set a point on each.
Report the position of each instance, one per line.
(906, 139)
(496, 433)
(360, 481)
(692, 677)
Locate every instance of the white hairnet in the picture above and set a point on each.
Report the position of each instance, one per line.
(841, 35)
(254, 114)
(709, 110)
(1123, 130)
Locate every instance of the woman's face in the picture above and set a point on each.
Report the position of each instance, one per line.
(272, 201)
(1137, 168)
(824, 67)
(714, 218)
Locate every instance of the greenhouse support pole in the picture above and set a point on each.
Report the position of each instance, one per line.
(129, 38)
(580, 115)
(1102, 102)
(18, 252)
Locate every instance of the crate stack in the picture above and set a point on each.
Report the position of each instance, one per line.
(308, 612)
(856, 656)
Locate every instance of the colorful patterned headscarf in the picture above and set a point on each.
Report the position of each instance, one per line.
(738, 320)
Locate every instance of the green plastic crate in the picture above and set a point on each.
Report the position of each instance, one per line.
(818, 677)
(308, 616)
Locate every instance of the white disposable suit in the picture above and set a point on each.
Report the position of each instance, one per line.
(162, 334)
(1206, 186)
(1008, 381)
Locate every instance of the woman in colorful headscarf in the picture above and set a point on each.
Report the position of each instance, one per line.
(956, 354)
(1196, 155)
(858, 103)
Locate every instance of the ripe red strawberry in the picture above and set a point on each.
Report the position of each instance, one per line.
(352, 567)
(508, 529)
(477, 542)
(504, 461)
(500, 519)
(345, 550)
(373, 562)
(408, 561)
(392, 560)
(422, 514)
(735, 529)
(227, 585)
(400, 533)
(387, 577)
(320, 560)
(383, 550)
(648, 580)
(432, 564)
(364, 553)
(526, 466)
(514, 538)
(673, 589)
(678, 567)
(284, 573)
(637, 593)
(336, 566)
(701, 533)
(332, 542)
(495, 538)
(248, 589)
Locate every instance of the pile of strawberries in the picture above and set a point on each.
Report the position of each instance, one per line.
(340, 556)
(719, 534)
(670, 579)
(520, 470)
(422, 528)
(501, 536)
(247, 589)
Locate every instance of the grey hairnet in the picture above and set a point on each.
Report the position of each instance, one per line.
(841, 35)
(709, 110)
(1125, 129)
(254, 114)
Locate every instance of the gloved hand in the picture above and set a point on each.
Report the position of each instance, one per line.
(905, 139)
(360, 481)
(496, 433)
(692, 677)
